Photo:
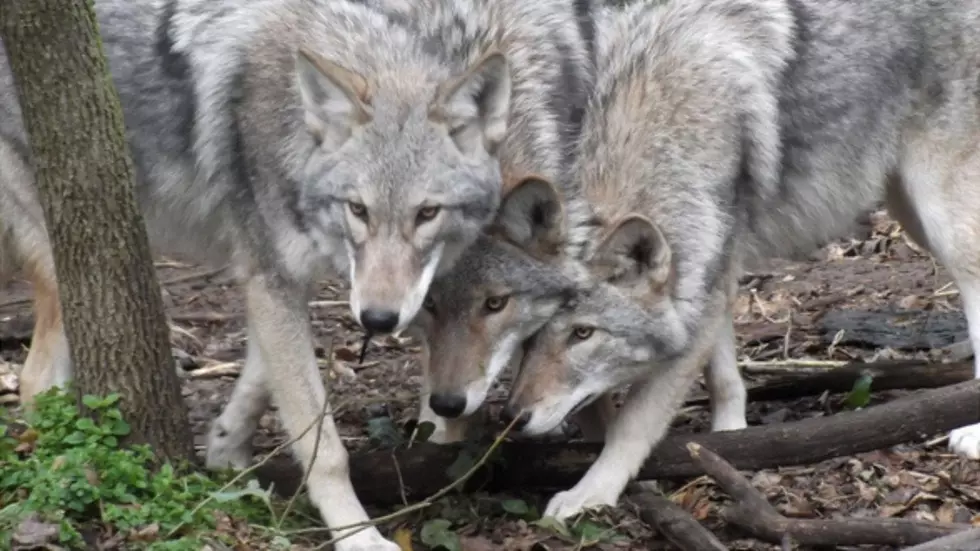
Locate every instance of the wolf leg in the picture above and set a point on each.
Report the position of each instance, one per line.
(938, 200)
(48, 361)
(640, 424)
(230, 438)
(284, 339)
(725, 384)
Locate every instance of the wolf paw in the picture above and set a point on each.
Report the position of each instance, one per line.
(965, 441)
(570, 503)
(366, 540)
(223, 453)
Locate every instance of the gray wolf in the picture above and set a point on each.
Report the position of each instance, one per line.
(723, 131)
(289, 137)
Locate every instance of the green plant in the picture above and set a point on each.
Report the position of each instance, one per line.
(69, 470)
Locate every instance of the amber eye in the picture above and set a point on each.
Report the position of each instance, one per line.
(429, 304)
(357, 209)
(426, 214)
(496, 304)
(583, 333)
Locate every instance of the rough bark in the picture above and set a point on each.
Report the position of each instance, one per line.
(422, 469)
(112, 309)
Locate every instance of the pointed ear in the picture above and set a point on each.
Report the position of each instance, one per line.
(635, 251)
(476, 105)
(531, 215)
(335, 99)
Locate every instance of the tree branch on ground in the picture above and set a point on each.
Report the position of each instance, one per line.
(674, 523)
(753, 513)
(539, 465)
(888, 375)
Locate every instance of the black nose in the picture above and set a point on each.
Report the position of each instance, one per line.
(447, 405)
(379, 321)
(509, 413)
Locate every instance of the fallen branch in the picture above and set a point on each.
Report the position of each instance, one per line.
(560, 465)
(966, 540)
(753, 513)
(674, 523)
(888, 375)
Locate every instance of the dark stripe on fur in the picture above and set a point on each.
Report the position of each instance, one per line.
(176, 66)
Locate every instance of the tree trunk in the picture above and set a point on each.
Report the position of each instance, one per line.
(112, 309)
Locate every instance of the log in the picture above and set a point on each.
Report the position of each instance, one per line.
(674, 523)
(888, 375)
(527, 464)
(753, 513)
(966, 540)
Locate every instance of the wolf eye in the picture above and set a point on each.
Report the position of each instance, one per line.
(429, 304)
(496, 304)
(357, 209)
(426, 214)
(583, 333)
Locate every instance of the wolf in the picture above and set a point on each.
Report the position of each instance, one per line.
(725, 131)
(509, 283)
(291, 138)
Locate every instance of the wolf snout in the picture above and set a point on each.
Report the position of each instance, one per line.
(510, 413)
(447, 405)
(379, 321)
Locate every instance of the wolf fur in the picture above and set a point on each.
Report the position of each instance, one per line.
(722, 131)
(286, 137)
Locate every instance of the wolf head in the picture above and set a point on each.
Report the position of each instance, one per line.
(407, 219)
(502, 290)
(616, 326)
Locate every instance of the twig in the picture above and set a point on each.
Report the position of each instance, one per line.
(752, 366)
(754, 514)
(675, 524)
(191, 277)
(223, 369)
(328, 303)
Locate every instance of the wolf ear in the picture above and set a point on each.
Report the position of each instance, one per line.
(531, 215)
(334, 98)
(476, 104)
(635, 251)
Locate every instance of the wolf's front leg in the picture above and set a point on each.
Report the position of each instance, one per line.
(640, 424)
(284, 339)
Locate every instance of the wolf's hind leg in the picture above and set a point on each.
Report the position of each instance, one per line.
(48, 362)
(27, 250)
(938, 198)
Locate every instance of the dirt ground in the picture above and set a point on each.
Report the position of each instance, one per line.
(782, 315)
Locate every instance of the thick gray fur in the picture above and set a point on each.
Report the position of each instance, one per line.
(723, 131)
(247, 154)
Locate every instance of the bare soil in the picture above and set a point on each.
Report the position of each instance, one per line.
(785, 313)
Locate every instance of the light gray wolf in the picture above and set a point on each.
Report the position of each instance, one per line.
(288, 137)
(511, 118)
(725, 131)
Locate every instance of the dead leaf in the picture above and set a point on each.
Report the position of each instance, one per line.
(146, 533)
(403, 537)
(476, 543)
(33, 533)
